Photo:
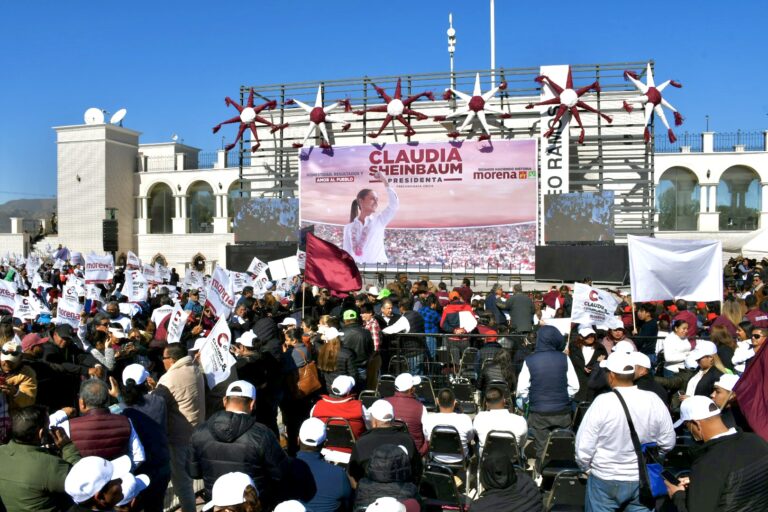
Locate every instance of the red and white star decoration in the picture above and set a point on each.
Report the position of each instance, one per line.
(569, 100)
(475, 106)
(248, 117)
(396, 109)
(653, 102)
(318, 116)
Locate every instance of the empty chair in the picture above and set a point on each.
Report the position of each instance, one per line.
(368, 396)
(398, 364)
(438, 489)
(439, 373)
(468, 365)
(339, 441)
(386, 386)
(568, 493)
(426, 394)
(559, 455)
(578, 415)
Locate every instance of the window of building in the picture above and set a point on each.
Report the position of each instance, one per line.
(738, 199)
(201, 207)
(677, 200)
(162, 209)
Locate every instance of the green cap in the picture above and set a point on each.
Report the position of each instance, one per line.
(383, 294)
(350, 314)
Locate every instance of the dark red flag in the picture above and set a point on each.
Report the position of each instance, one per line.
(752, 393)
(330, 267)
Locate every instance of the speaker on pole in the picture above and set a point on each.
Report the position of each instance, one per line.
(109, 235)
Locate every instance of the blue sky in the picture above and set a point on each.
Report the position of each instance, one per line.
(172, 62)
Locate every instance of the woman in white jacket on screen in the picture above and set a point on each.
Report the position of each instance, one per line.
(676, 348)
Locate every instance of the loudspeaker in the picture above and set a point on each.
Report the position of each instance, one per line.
(109, 235)
(570, 263)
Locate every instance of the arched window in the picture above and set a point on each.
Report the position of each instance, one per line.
(738, 199)
(162, 209)
(201, 207)
(677, 200)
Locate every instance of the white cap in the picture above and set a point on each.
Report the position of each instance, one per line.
(727, 381)
(586, 331)
(242, 388)
(382, 410)
(246, 339)
(703, 348)
(289, 320)
(385, 505)
(406, 381)
(11, 351)
(132, 486)
(331, 333)
(228, 490)
(136, 372)
(199, 342)
(641, 359)
(697, 408)
(290, 506)
(312, 432)
(623, 346)
(373, 290)
(621, 363)
(117, 332)
(342, 385)
(90, 474)
(615, 323)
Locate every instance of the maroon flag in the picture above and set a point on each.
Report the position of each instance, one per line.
(330, 267)
(752, 393)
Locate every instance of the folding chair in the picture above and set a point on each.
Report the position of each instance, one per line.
(467, 365)
(439, 373)
(559, 455)
(339, 441)
(465, 395)
(438, 489)
(679, 459)
(399, 425)
(568, 493)
(426, 394)
(398, 364)
(386, 386)
(368, 396)
(500, 441)
(578, 415)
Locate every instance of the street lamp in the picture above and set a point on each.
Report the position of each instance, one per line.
(493, 45)
(451, 32)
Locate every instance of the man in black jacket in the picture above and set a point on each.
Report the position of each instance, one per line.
(232, 440)
(644, 378)
(729, 471)
(358, 340)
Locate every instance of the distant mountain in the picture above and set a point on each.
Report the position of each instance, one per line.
(26, 208)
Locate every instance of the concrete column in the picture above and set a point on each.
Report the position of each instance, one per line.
(180, 221)
(142, 223)
(703, 195)
(708, 142)
(764, 204)
(17, 225)
(180, 161)
(221, 159)
(221, 221)
(765, 140)
(713, 198)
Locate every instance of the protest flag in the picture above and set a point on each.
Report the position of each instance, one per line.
(330, 267)
(752, 393)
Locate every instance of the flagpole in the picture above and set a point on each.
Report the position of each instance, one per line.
(634, 322)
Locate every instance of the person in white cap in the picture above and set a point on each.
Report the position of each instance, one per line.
(332, 489)
(409, 409)
(703, 382)
(383, 431)
(341, 403)
(724, 396)
(18, 382)
(603, 444)
(729, 471)
(644, 378)
(616, 333)
(290, 506)
(234, 492)
(132, 487)
(385, 504)
(94, 483)
(232, 439)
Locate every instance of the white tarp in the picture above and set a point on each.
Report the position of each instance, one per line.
(662, 269)
(592, 306)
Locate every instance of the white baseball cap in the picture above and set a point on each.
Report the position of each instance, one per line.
(199, 342)
(386, 504)
(373, 290)
(621, 363)
(136, 372)
(586, 331)
(289, 320)
(697, 408)
(229, 489)
(312, 432)
(11, 351)
(290, 506)
(641, 359)
(242, 388)
(132, 486)
(406, 381)
(623, 346)
(703, 348)
(90, 474)
(615, 323)
(342, 385)
(247, 339)
(331, 333)
(727, 381)
(382, 410)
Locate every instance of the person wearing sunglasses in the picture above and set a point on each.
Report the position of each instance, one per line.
(18, 385)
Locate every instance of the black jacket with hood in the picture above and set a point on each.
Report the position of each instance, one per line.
(389, 474)
(548, 367)
(506, 489)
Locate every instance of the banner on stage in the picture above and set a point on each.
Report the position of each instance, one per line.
(447, 204)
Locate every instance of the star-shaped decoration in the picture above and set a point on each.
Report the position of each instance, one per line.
(475, 107)
(653, 102)
(318, 116)
(248, 117)
(396, 109)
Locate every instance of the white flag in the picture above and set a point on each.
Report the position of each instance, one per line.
(76, 258)
(592, 306)
(301, 256)
(240, 280)
(662, 269)
(284, 268)
(93, 292)
(37, 282)
(193, 279)
(215, 358)
(7, 297)
(70, 290)
(38, 305)
(149, 273)
(68, 312)
(24, 309)
(562, 324)
(219, 294)
(99, 269)
(162, 273)
(176, 324)
(135, 286)
(33, 264)
(257, 267)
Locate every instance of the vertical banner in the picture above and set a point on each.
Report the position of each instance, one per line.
(135, 286)
(99, 269)
(215, 357)
(554, 150)
(592, 306)
(176, 324)
(219, 294)
(7, 297)
(163, 274)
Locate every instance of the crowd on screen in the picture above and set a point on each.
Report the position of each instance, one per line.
(427, 397)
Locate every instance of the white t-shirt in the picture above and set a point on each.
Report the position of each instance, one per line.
(503, 420)
(365, 242)
(160, 313)
(462, 423)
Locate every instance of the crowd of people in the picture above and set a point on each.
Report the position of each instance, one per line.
(329, 403)
(266, 218)
(503, 248)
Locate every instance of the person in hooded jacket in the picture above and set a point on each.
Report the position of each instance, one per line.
(505, 489)
(388, 474)
(232, 440)
(585, 354)
(548, 381)
(270, 347)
